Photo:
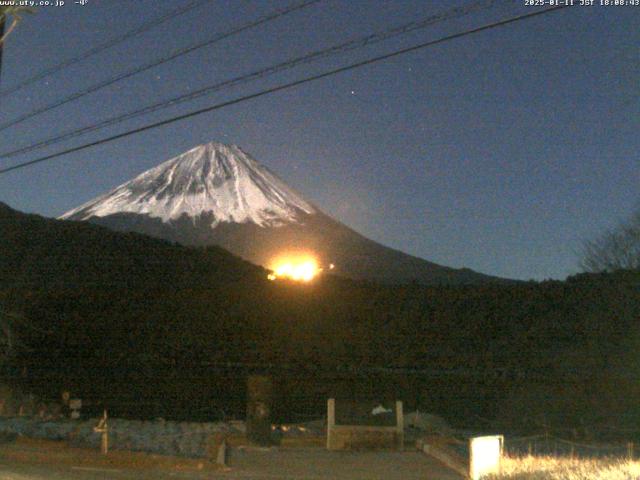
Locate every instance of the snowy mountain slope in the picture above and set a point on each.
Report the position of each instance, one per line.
(216, 194)
(214, 179)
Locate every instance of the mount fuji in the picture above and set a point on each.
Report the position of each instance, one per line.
(216, 194)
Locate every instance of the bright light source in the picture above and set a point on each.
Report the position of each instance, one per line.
(485, 455)
(298, 267)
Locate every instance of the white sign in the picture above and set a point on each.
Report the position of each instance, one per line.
(485, 454)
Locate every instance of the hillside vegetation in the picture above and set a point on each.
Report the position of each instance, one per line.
(153, 328)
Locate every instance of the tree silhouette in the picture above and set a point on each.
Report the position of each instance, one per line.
(616, 249)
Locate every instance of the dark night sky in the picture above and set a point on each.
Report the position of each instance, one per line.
(500, 151)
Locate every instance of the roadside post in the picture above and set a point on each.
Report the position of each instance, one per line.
(103, 429)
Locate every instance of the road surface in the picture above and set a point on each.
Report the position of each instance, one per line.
(248, 463)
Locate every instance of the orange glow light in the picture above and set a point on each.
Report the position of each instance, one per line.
(301, 268)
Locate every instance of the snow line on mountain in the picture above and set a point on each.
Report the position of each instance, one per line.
(214, 178)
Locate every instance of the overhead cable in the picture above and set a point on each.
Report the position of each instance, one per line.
(285, 86)
(159, 61)
(310, 57)
(103, 46)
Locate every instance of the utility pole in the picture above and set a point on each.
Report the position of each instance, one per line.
(3, 20)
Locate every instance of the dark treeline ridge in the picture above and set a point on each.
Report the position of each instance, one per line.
(152, 328)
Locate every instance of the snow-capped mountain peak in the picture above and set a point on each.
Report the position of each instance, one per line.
(216, 179)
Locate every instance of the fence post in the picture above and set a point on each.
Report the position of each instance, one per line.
(400, 424)
(103, 429)
(331, 420)
(104, 442)
(221, 454)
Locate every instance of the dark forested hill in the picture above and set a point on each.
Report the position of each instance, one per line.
(133, 321)
(217, 194)
(41, 252)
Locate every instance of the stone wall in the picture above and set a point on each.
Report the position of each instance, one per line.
(184, 439)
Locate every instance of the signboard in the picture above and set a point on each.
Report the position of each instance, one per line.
(485, 454)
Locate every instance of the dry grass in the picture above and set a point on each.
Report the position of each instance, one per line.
(563, 468)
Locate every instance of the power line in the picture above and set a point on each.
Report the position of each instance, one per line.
(178, 53)
(264, 72)
(286, 86)
(103, 46)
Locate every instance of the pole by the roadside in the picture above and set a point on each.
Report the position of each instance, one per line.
(103, 429)
(2, 24)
